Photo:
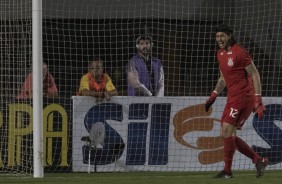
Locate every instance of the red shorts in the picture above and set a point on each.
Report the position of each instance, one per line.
(236, 113)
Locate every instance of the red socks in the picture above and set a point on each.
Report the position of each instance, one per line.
(232, 143)
(229, 149)
(246, 150)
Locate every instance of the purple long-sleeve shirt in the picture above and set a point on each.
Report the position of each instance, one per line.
(153, 81)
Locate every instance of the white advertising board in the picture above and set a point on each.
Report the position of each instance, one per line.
(168, 134)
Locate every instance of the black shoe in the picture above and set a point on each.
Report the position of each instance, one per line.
(261, 165)
(85, 138)
(223, 174)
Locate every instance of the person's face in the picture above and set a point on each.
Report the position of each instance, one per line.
(144, 47)
(222, 40)
(45, 71)
(96, 69)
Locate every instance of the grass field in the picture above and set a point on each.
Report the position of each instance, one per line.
(242, 177)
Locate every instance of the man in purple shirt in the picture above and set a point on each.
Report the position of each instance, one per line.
(145, 73)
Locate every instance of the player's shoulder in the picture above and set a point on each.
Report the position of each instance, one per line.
(29, 75)
(219, 51)
(156, 60)
(135, 59)
(106, 76)
(85, 77)
(239, 48)
(28, 78)
(49, 75)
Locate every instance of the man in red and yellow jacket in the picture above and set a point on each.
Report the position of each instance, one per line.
(96, 83)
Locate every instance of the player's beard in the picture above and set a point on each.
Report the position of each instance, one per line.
(145, 52)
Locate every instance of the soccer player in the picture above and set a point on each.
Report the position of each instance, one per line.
(145, 73)
(49, 87)
(239, 74)
(96, 83)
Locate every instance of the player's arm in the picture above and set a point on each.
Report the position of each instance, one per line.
(132, 75)
(220, 85)
(85, 90)
(97, 94)
(27, 87)
(133, 80)
(112, 93)
(52, 90)
(258, 106)
(52, 95)
(252, 71)
(160, 92)
(109, 94)
(110, 88)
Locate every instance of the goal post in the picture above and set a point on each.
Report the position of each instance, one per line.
(71, 133)
(37, 73)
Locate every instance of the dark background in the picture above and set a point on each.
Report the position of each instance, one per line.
(185, 47)
(187, 56)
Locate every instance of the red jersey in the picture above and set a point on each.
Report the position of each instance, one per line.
(232, 64)
(49, 86)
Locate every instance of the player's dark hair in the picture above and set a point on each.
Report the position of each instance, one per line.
(143, 37)
(143, 33)
(95, 59)
(226, 29)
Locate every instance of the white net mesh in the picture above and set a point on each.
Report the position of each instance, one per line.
(15, 141)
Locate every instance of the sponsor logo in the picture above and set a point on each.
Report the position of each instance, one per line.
(230, 62)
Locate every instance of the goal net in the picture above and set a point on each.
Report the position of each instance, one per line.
(134, 133)
(15, 129)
